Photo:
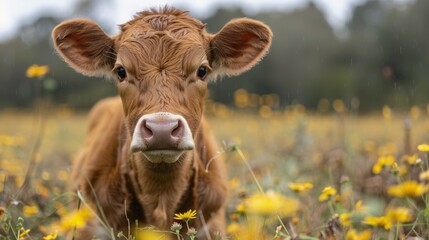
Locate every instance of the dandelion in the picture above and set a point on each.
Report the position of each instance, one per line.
(37, 71)
(382, 163)
(300, 187)
(191, 214)
(240, 208)
(423, 147)
(327, 192)
(23, 233)
(271, 203)
(399, 215)
(352, 234)
(144, 234)
(359, 207)
(234, 183)
(73, 220)
(345, 219)
(411, 160)
(233, 228)
(382, 221)
(408, 189)
(399, 170)
(51, 236)
(30, 210)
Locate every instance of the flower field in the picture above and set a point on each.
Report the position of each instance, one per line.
(294, 174)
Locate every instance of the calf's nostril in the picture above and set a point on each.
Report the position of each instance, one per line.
(178, 130)
(146, 130)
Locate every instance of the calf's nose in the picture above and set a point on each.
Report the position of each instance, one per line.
(162, 134)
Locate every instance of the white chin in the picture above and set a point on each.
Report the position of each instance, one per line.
(163, 156)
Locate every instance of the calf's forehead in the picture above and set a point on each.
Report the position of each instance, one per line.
(167, 37)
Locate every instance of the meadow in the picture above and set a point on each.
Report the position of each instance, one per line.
(294, 173)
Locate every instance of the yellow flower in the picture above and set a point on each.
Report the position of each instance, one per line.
(345, 219)
(424, 176)
(423, 147)
(234, 183)
(382, 221)
(359, 207)
(24, 233)
(191, 214)
(354, 235)
(30, 210)
(76, 219)
(51, 236)
(300, 187)
(233, 228)
(37, 71)
(382, 162)
(271, 203)
(327, 192)
(399, 215)
(240, 208)
(144, 234)
(412, 160)
(408, 189)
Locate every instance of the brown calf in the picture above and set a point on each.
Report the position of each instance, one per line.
(146, 153)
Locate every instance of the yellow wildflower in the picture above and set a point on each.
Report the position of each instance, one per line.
(345, 219)
(233, 228)
(30, 210)
(271, 203)
(23, 233)
(37, 71)
(408, 189)
(423, 147)
(240, 208)
(76, 219)
(51, 236)
(327, 192)
(424, 176)
(234, 183)
(359, 207)
(382, 221)
(191, 214)
(300, 187)
(399, 170)
(412, 160)
(399, 215)
(382, 162)
(144, 234)
(354, 235)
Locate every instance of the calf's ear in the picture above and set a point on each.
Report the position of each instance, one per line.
(239, 45)
(84, 46)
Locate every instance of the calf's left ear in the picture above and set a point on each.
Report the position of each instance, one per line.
(239, 45)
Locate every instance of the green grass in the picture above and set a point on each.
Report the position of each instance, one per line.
(336, 149)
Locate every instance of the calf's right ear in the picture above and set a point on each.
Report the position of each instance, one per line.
(84, 46)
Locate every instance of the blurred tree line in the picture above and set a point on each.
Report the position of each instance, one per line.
(382, 60)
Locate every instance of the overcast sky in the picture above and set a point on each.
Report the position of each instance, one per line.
(16, 12)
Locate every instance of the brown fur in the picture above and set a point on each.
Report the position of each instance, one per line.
(161, 51)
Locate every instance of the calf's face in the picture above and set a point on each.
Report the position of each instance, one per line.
(162, 61)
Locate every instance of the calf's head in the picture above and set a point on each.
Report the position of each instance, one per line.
(162, 61)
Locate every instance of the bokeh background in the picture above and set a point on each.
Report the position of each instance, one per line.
(332, 117)
(366, 53)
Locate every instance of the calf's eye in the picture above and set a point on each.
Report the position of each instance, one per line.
(202, 72)
(121, 73)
